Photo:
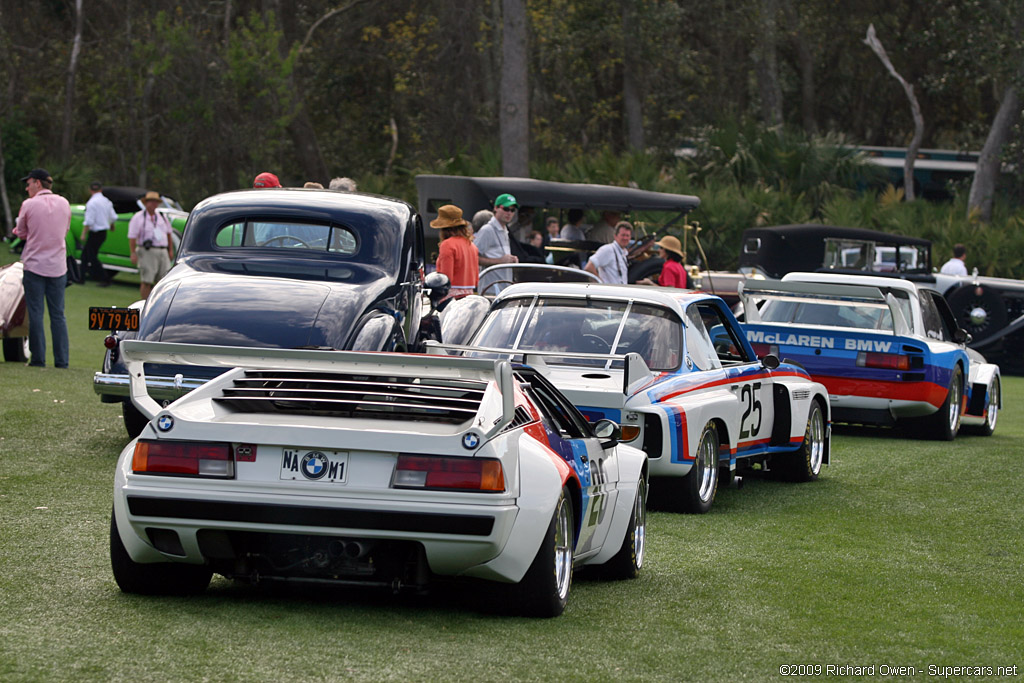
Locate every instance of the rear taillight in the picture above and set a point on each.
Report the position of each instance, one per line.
(887, 361)
(465, 474)
(183, 458)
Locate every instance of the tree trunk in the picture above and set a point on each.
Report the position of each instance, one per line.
(8, 218)
(766, 64)
(227, 21)
(147, 130)
(805, 62)
(514, 104)
(69, 87)
(875, 44)
(983, 187)
(307, 148)
(632, 100)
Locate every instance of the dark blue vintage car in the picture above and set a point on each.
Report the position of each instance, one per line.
(282, 268)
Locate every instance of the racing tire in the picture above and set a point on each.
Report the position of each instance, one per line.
(804, 464)
(627, 563)
(544, 589)
(991, 412)
(701, 482)
(944, 424)
(134, 421)
(157, 578)
(16, 350)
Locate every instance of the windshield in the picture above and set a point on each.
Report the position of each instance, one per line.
(585, 326)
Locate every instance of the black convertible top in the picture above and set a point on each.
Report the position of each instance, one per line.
(781, 249)
(124, 197)
(474, 194)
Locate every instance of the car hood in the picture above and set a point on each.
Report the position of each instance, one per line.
(239, 310)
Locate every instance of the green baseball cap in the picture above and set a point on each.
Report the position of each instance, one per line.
(506, 200)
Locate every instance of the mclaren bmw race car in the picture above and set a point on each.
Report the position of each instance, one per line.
(644, 357)
(371, 469)
(887, 350)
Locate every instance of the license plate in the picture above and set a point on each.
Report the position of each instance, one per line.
(306, 465)
(113, 318)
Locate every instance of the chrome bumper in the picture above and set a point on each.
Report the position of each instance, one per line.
(160, 388)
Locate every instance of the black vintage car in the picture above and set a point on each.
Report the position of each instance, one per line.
(282, 268)
(991, 309)
(471, 194)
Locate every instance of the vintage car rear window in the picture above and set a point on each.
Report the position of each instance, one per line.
(334, 239)
(585, 326)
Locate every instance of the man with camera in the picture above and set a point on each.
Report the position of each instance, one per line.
(149, 242)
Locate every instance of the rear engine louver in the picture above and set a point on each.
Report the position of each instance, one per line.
(390, 397)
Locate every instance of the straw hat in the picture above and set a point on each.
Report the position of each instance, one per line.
(671, 244)
(151, 197)
(448, 216)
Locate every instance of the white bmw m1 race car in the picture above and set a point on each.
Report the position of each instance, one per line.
(371, 469)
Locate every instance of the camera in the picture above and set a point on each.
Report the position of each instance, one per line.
(147, 244)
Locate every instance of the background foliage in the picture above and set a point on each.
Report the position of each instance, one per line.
(194, 98)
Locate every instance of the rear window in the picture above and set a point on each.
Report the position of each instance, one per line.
(585, 326)
(333, 239)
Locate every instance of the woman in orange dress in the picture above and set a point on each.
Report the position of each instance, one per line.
(457, 257)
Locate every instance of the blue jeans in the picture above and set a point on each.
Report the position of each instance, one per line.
(38, 288)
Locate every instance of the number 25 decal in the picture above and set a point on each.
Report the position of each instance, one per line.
(748, 396)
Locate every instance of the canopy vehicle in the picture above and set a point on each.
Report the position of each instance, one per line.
(886, 350)
(472, 194)
(991, 309)
(282, 268)
(644, 358)
(371, 469)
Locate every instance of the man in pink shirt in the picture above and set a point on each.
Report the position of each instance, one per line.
(43, 222)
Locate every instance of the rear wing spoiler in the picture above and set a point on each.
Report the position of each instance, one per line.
(636, 374)
(136, 353)
(816, 292)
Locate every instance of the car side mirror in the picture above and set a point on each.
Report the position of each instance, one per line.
(437, 286)
(609, 432)
(962, 336)
(771, 361)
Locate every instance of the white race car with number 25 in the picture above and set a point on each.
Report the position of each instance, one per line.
(644, 358)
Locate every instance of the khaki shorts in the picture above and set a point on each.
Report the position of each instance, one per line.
(153, 263)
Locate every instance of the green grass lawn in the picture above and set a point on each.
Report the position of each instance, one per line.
(905, 553)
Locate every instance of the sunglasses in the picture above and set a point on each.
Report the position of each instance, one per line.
(510, 209)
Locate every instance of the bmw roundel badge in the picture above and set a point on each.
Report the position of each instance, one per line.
(164, 423)
(470, 440)
(314, 465)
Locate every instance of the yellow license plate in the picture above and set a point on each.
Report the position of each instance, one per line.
(113, 318)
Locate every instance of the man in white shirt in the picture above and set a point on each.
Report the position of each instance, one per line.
(99, 218)
(492, 244)
(610, 262)
(956, 265)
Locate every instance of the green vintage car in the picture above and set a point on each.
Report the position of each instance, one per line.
(114, 254)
